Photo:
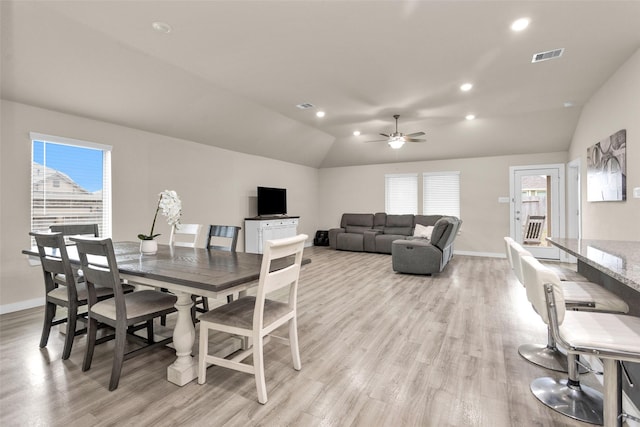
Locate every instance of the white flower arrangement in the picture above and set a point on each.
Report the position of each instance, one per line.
(171, 207)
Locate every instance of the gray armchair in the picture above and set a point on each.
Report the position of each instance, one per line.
(422, 256)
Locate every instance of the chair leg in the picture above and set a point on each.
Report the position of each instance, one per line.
(92, 327)
(548, 356)
(569, 397)
(258, 367)
(118, 357)
(204, 351)
(293, 343)
(150, 337)
(72, 318)
(205, 303)
(49, 314)
(612, 392)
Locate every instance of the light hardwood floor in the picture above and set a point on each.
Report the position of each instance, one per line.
(378, 349)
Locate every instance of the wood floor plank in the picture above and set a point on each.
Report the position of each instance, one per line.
(377, 348)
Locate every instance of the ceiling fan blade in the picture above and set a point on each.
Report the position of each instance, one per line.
(411, 135)
(414, 140)
(385, 135)
(378, 140)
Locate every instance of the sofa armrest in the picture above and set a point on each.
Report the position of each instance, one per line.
(370, 240)
(333, 236)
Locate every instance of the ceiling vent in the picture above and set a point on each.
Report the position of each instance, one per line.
(305, 106)
(545, 56)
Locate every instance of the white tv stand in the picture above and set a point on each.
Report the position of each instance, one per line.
(260, 229)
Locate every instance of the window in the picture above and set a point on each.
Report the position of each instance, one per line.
(401, 193)
(441, 193)
(70, 183)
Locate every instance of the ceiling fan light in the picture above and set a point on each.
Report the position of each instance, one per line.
(396, 143)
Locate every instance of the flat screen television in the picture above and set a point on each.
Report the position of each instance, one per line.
(272, 201)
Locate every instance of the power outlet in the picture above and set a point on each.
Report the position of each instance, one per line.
(636, 193)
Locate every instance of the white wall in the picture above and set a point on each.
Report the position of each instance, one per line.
(215, 185)
(615, 106)
(360, 189)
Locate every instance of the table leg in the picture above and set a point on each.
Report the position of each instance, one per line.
(185, 368)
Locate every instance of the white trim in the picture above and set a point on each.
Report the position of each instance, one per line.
(35, 136)
(22, 305)
(481, 254)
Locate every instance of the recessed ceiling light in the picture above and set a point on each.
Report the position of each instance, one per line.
(320, 114)
(356, 133)
(466, 87)
(520, 24)
(470, 116)
(161, 27)
(568, 104)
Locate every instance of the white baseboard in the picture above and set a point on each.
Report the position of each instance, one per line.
(22, 305)
(482, 254)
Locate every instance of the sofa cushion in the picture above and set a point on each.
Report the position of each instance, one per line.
(379, 220)
(350, 242)
(362, 220)
(423, 231)
(356, 229)
(399, 224)
(439, 231)
(427, 219)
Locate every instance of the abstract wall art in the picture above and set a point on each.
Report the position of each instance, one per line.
(607, 169)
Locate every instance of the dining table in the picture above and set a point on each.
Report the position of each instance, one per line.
(185, 272)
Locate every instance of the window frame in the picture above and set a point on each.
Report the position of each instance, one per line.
(105, 225)
(411, 207)
(427, 199)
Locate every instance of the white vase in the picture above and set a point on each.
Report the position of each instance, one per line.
(148, 247)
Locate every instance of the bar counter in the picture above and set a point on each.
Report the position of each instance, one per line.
(618, 259)
(615, 265)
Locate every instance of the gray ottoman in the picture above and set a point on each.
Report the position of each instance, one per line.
(415, 257)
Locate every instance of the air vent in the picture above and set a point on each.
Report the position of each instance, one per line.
(545, 56)
(305, 106)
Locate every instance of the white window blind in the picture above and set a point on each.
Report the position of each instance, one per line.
(401, 193)
(441, 193)
(70, 183)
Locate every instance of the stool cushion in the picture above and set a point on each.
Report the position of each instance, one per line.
(603, 331)
(585, 292)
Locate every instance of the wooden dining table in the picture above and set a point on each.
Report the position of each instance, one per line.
(185, 272)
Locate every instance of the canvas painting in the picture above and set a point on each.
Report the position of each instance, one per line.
(607, 169)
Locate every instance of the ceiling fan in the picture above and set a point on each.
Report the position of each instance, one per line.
(397, 139)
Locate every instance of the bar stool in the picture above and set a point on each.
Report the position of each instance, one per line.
(578, 296)
(610, 336)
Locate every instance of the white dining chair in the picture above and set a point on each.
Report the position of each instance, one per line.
(258, 317)
(185, 235)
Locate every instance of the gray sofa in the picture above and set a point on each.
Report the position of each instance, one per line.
(394, 234)
(422, 256)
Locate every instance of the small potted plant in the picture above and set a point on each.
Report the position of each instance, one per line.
(171, 207)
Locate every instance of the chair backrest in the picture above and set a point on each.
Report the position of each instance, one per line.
(517, 252)
(507, 246)
(98, 261)
(226, 232)
(277, 272)
(533, 228)
(75, 230)
(536, 276)
(55, 261)
(185, 235)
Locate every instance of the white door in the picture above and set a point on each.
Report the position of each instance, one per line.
(537, 202)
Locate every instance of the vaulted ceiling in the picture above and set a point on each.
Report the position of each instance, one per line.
(230, 73)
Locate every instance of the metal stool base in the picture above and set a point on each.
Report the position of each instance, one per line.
(547, 357)
(578, 402)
